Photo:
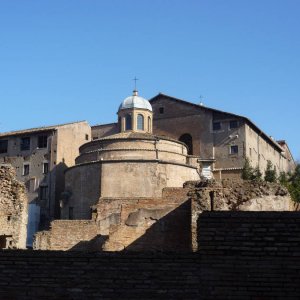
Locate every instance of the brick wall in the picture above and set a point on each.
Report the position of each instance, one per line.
(242, 255)
(70, 235)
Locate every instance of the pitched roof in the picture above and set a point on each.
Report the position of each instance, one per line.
(202, 107)
(37, 129)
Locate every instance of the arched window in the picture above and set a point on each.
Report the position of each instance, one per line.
(188, 140)
(149, 124)
(128, 122)
(140, 122)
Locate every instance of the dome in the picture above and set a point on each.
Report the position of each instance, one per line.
(135, 101)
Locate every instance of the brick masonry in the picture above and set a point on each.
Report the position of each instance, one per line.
(241, 255)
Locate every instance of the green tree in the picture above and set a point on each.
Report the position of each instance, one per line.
(283, 178)
(294, 184)
(247, 172)
(257, 175)
(270, 173)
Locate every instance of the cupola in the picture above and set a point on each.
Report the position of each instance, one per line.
(135, 114)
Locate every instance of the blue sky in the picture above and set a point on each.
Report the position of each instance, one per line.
(62, 61)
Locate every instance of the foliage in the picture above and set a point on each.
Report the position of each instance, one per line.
(257, 175)
(247, 172)
(294, 184)
(283, 178)
(270, 173)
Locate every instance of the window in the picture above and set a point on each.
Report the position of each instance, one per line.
(3, 146)
(128, 122)
(25, 143)
(149, 124)
(161, 110)
(42, 141)
(45, 167)
(234, 149)
(25, 169)
(43, 192)
(31, 184)
(86, 137)
(188, 140)
(233, 124)
(216, 125)
(71, 213)
(140, 122)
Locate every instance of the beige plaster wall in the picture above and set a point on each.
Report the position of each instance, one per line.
(259, 151)
(82, 190)
(143, 179)
(224, 139)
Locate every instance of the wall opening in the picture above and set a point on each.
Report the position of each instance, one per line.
(188, 140)
(212, 196)
(2, 241)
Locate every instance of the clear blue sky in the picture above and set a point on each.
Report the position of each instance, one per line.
(63, 61)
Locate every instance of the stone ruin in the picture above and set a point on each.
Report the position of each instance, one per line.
(13, 210)
(167, 223)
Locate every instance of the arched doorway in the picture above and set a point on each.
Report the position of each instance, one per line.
(188, 140)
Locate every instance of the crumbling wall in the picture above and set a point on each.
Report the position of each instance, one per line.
(13, 210)
(167, 223)
(70, 235)
(133, 224)
(228, 195)
(152, 224)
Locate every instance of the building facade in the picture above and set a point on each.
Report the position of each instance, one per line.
(69, 168)
(220, 140)
(40, 156)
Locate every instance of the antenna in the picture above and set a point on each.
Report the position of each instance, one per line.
(201, 98)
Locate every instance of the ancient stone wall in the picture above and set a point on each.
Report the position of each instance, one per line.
(156, 224)
(241, 255)
(164, 223)
(69, 235)
(13, 210)
(230, 195)
(149, 224)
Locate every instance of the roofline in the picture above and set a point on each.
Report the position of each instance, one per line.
(259, 131)
(106, 124)
(38, 129)
(284, 142)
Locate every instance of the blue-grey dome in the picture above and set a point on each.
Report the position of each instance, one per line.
(135, 101)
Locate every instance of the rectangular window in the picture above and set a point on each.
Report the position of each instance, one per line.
(233, 124)
(216, 125)
(71, 215)
(45, 168)
(42, 141)
(26, 169)
(234, 149)
(161, 110)
(43, 192)
(31, 185)
(25, 143)
(86, 137)
(3, 146)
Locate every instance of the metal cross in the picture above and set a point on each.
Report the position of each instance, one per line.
(135, 80)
